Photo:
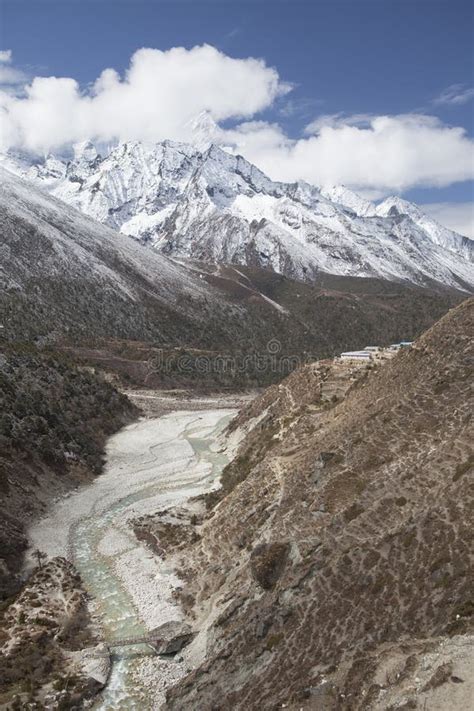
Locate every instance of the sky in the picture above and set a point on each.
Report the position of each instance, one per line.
(375, 94)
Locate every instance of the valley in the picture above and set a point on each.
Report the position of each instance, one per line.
(154, 464)
(184, 452)
(217, 512)
(236, 355)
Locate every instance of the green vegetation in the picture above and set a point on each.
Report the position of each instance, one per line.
(55, 411)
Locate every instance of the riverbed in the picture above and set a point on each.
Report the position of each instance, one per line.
(151, 465)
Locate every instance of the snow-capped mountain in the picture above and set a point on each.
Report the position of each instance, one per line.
(214, 206)
(440, 235)
(347, 198)
(67, 279)
(62, 271)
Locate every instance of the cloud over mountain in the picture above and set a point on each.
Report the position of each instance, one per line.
(159, 93)
(387, 153)
(162, 92)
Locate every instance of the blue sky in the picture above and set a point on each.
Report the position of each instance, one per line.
(369, 57)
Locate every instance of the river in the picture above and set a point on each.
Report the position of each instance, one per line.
(151, 465)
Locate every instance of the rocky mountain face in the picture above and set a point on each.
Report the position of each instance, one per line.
(66, 281)
(42, 633)
(395, 206)
(216, 207)
(335, 570)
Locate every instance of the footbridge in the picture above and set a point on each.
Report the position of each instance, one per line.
(156, 639)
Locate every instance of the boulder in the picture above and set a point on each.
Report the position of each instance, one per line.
(96, 665)
(171, 637)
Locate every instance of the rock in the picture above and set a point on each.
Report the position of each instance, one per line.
(171, 637)
(441, 676)
(267, 562)
(96, 664)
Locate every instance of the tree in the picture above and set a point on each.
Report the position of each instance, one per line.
(40, 557)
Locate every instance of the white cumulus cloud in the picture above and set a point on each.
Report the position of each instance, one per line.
(160, 92)
(375, 153)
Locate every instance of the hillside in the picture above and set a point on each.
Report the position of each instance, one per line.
(217, 207)
(62, 273)
(69, 281)
(54, 421)
(335, 572)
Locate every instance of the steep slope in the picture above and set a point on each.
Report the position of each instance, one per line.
(218, 207)
(437, 233)
(54, 419)
(62, 272)
(72, 282)
(336, 571)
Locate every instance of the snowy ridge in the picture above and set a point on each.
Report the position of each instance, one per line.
(341, 195)
(211, 205)
(440, 235)
(75, 247)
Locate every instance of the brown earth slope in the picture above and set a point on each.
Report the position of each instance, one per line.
(336, 573)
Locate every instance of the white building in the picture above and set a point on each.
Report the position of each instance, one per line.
(356, 356)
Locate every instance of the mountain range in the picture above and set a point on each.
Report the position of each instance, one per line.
(68, 281)
(213, 206)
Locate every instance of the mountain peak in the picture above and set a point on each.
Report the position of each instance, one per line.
(85, 151)
(394, 205)
(216, 206)
(346, 197)
(203, 130)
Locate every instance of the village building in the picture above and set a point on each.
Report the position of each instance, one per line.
(356, 356)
